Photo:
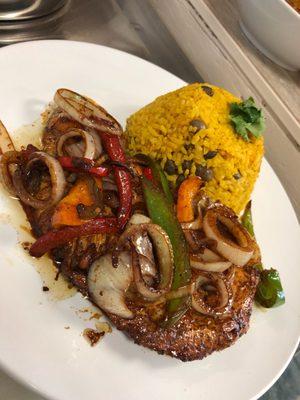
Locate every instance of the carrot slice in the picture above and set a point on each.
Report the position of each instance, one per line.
(186, 195)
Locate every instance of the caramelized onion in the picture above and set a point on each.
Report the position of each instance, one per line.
(223, 287)
(90, 147)
(210, 256)
(144, 248)
(7, 159)
(180, 292)
(209, 266)
(240, 251)
(148, 268)
(58, 181)
(86, 111)
(197, 240)
(109, 184)
(98, 145)
(108, 284)
(209, 261)
(196, 224)
(164, 254)
(138, 219)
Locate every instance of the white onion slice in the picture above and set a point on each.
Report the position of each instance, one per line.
(210, 256)
(86, 111)
(90, 148)
(225, 293)
(238, 253)
(98, 144)
(180, 292)
(6, 161)
(144, 248)
(137, 219)
(108, 284)
(164, 254)
(214, 266)
(58, 182)
(75, 149)
(148, 268)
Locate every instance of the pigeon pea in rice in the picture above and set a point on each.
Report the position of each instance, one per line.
(198, 124)
(170, 167)
(210, 154)
(191, 128)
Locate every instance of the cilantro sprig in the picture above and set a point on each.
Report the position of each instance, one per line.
(246, 117)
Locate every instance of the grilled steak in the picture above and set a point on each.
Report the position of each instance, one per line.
(195, 336)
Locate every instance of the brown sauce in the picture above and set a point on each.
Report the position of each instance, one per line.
(92, 336)
(14, 216)
(58, 287)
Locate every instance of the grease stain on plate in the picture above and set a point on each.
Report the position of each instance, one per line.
(31, 133)
(59, 288)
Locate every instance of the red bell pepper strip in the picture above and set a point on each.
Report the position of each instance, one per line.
(154, 173)
(147, 172)
(113, 148)
(78, 164)
(54, 239)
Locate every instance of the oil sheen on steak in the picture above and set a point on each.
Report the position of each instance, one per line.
(195, 336)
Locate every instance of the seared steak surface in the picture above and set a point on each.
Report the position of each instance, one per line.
(195, 336)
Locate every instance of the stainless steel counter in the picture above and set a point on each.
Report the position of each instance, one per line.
(135, 27)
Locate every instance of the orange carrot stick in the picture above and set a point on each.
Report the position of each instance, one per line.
(66, 211)
(186, 195)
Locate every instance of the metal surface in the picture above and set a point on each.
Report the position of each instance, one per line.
(132, 26)
(129, 25)
(47, 26)
(27, 9)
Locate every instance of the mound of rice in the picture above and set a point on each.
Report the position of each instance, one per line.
(171, 128)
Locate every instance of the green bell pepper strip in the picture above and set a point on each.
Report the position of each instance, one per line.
(162, 213)
(159, 176)
(259, 267)
(247, 221)
(269, 292)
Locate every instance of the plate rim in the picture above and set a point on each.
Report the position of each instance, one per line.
(4, 366)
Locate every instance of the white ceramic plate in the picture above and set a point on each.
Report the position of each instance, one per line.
(35, 347)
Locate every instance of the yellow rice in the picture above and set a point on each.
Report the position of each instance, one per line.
(162, 128)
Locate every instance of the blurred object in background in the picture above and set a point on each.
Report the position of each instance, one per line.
(22, 20)
(273, 26)
(129, 25)
(11, 10)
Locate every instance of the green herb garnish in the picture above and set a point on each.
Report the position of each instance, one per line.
(246, 219)
(246, 117)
